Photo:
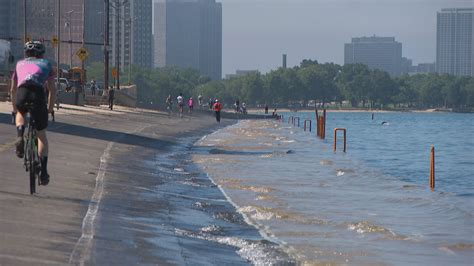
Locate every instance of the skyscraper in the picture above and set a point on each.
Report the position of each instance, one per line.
(131, 21)
(188, 33)
(455, 41)
(10, 26)
(382, 53)
(41, 23)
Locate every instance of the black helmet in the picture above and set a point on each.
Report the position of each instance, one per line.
(34, 48)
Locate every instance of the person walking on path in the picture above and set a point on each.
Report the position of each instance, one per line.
(266, 108)
(190, 104)
(217, 107)
(111, 97)
(169, 104)
(211, 103)
(200, 101)
(180, 102)
(237, 106)
(93, 87)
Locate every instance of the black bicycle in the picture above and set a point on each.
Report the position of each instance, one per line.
(31, 159)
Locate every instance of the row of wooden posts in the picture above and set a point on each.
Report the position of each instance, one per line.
(320, 127)
(321, 133)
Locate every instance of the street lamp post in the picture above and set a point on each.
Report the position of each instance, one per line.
(118, 6)
(130, 20)
(106, 45)
(69, 25)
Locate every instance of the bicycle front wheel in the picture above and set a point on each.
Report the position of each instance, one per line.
(32, 173)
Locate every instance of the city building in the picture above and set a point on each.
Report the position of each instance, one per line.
(188, 33)
(382, 53)
(41, 24)
(10, 28)
(131, 21)
(240, 73)
(423, 68)
(406, 65)
(455, 41)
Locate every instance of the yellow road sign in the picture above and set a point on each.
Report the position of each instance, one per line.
(54, 41)
(82, 53)
(114, 72)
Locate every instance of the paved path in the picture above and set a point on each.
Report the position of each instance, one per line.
(48, 228)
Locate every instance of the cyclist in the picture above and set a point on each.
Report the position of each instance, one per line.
(32, 76)
(180, 101)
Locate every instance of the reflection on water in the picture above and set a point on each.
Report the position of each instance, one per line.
(369, 206)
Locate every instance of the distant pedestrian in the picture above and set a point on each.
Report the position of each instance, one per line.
(274, 114)
(243, 109)
(211, 102)
(93, 87)
(237, 106)
(111, 97)
(217, 107)
(266, 108)
(190, 104)
(169, 104)
(180, 101)
(200, 101)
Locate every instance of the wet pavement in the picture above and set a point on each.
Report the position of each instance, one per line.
(123, 191)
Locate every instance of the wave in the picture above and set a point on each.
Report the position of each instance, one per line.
(260, 252)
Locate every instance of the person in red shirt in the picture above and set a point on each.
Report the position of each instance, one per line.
(217, 107)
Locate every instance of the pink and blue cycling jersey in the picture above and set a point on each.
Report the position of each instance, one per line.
(34, 71)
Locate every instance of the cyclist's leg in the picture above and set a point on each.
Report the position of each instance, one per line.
(40, 114)
(23, 95)
(43, 147)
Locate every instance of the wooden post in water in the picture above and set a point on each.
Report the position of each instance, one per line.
(323, 134)
(432, 168)
(335, 138)
(321, 123)
(317, 122)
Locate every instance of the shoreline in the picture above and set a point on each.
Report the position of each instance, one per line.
(141, 161)
(287, 110)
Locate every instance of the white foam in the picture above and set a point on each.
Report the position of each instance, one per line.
(254, 252)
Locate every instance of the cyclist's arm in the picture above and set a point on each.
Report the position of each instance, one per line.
(13, 93)
(52, 94)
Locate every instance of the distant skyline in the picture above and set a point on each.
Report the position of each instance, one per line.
(257, 32)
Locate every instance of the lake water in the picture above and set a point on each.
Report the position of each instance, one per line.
(369, 206)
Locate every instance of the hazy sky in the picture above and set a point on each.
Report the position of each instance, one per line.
(257, 32)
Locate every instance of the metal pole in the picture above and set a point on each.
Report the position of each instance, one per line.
(130, 54)
(58, 33)
(70, 38)
(24, 21)
(117, 44)
(83, 76)
(106, 45)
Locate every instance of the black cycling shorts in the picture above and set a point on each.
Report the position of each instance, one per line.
(32, 94)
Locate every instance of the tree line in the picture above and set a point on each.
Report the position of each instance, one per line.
(326, 84)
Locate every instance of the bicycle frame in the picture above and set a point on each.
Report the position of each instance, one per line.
(31, 158)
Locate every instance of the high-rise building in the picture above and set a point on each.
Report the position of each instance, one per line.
(10, 27)
(188, 33)
(131, 22)
(41, 24)
(382, 53)
(455, 41)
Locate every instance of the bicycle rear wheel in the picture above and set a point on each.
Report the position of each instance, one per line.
(31, 161)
